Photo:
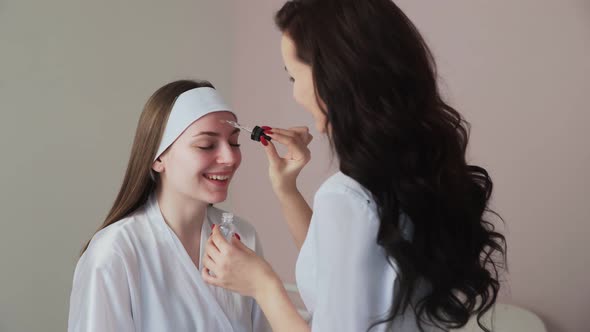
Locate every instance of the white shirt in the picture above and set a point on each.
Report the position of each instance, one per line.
(137, 276)
(344, 277)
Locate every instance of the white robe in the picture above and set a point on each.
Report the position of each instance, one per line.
(344, 277)
(137, 276)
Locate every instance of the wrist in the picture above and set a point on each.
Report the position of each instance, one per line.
(287, 192)
(267, 285)
(284, 185)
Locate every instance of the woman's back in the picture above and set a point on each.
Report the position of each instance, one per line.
(345, 278)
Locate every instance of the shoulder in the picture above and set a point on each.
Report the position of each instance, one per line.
(344, 204)
(343, 194)
(343, 185)
(114, 244)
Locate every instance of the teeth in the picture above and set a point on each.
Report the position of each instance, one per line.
(218, 177)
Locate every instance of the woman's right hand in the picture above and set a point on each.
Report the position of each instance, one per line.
(283, 170)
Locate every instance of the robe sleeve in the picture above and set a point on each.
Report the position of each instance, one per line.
(259, 321)
(100, 298)
(351, 276)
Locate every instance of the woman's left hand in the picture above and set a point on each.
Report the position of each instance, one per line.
(234, 266)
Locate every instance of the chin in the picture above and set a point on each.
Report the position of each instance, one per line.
(214, 199)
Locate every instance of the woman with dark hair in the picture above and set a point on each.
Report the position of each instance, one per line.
(398, 239)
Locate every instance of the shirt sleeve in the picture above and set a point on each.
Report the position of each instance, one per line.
(100, 298)
(259, 321)
(353, 275)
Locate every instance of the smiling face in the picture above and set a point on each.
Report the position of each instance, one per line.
(200, 164)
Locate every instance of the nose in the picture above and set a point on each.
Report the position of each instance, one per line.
(228, 155)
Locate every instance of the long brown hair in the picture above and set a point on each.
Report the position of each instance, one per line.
(138, 183)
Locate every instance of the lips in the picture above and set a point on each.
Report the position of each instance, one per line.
(219, 179)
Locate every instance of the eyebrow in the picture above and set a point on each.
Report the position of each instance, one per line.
(215, 134)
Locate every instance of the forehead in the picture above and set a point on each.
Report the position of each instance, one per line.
(212, 122)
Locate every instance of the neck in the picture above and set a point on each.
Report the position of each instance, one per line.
(184, 216)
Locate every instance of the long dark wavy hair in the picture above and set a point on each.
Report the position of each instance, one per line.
(394, 134)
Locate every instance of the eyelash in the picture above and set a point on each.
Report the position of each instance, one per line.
(210, 147)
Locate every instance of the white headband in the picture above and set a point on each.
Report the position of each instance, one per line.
(190, 106)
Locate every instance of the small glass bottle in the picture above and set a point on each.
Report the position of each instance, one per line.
(227, 227)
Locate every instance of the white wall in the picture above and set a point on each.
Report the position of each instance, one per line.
(74, 76)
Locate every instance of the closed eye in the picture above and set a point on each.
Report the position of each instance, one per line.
(211, 147)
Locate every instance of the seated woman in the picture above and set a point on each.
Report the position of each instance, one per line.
(141, 270)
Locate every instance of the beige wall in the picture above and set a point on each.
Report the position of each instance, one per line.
(520, 73)
(74, 76)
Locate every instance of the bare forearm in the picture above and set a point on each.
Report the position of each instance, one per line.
(297, 214)
(280, 312)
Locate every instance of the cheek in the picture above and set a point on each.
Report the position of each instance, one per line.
(304, 96)
(238, 158)
(297, 94)
(198, 162)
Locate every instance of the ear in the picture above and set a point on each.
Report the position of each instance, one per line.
(158, 165)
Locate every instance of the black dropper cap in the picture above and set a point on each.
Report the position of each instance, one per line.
(257, 132)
